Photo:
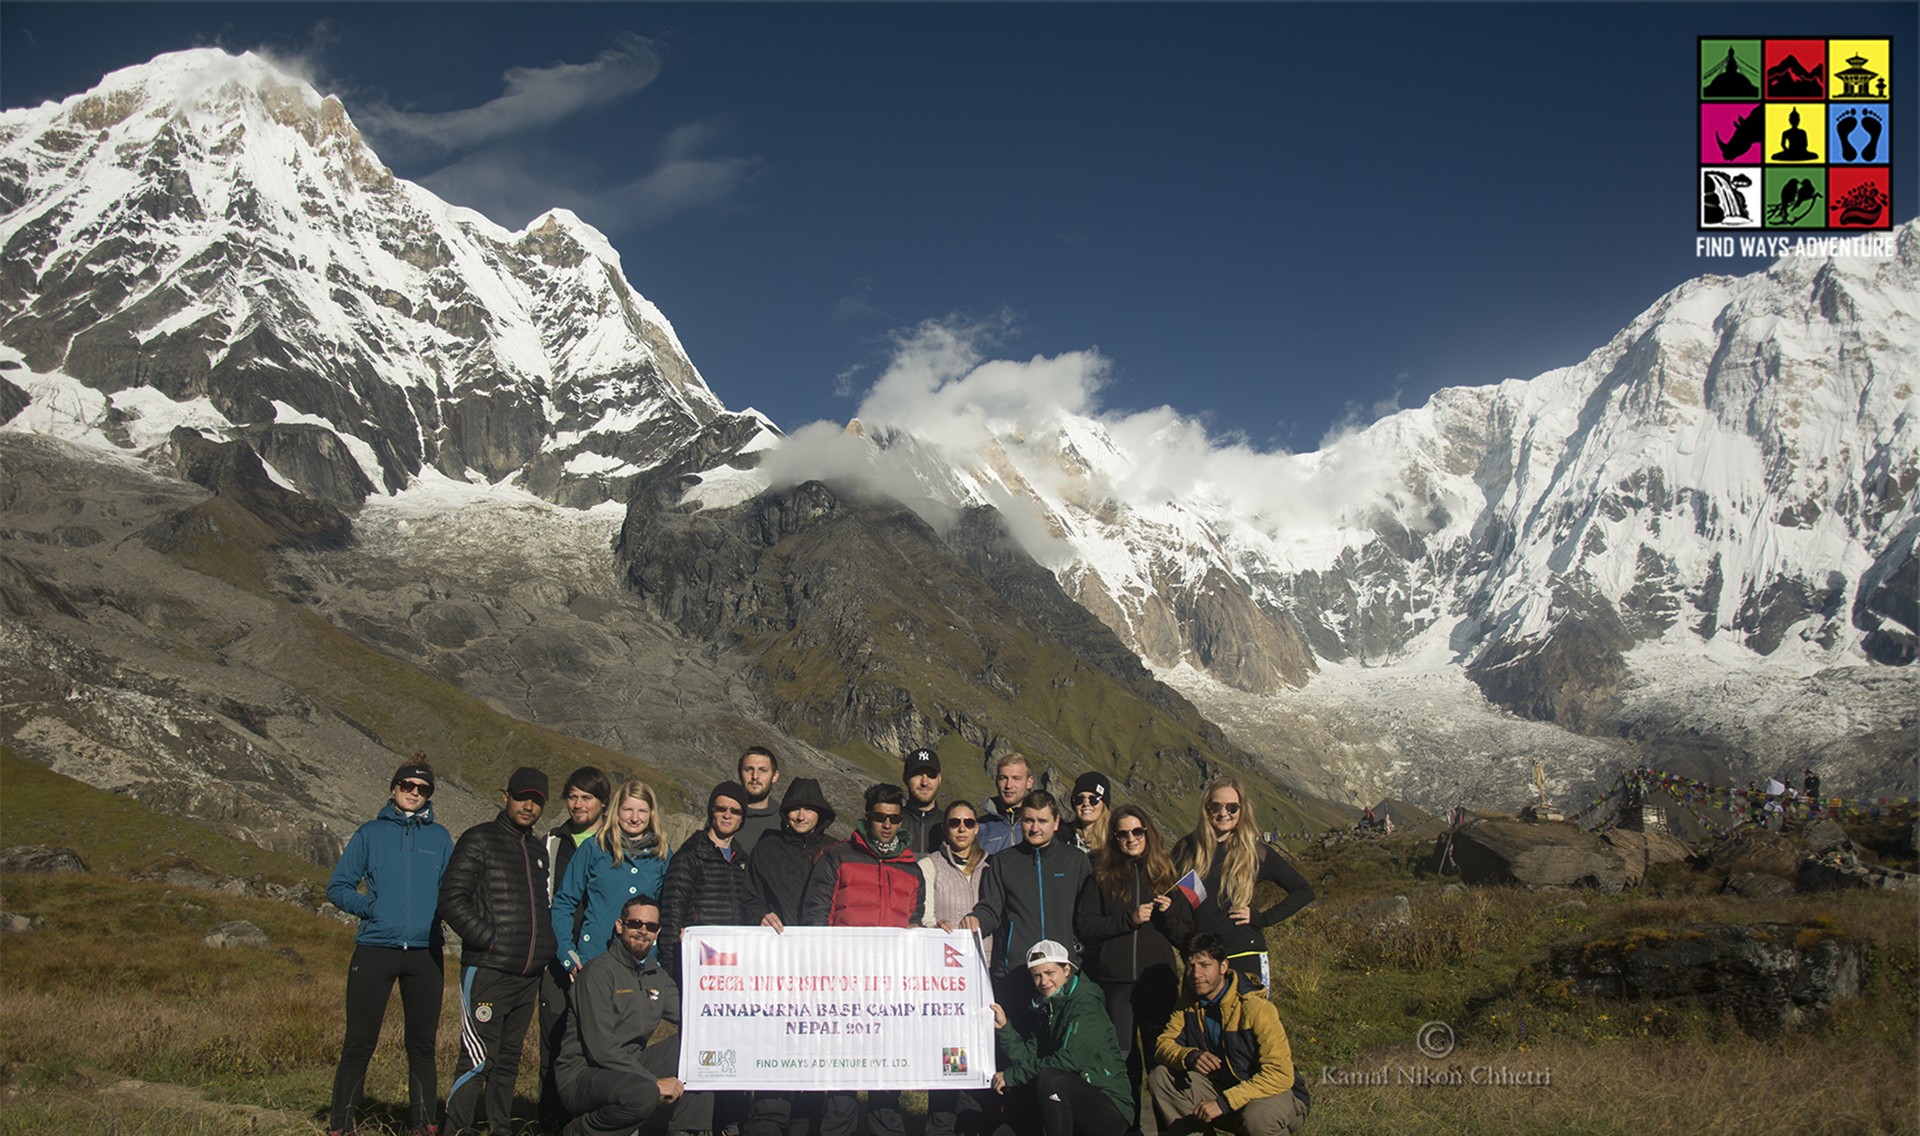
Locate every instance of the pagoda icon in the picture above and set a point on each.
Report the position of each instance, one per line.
(1856, 82)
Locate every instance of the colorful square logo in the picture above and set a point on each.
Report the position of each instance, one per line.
(1794, 133)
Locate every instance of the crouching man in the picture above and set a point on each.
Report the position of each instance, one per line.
(1223, 1061)
(608, 1074)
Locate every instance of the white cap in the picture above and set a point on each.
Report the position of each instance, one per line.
(1046, 950)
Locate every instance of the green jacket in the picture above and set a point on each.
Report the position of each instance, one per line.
(1074, 1034)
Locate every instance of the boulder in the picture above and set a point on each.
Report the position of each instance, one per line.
(1772, 976)
(1537, 855)
(1759, 885)
(1824, 836)
(40, 858)
(237, 933)
(1382, 915)
(11, 924)
(1641, 851)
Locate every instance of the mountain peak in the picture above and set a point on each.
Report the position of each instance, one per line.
(225, 238)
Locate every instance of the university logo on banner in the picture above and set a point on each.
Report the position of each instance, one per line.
(815, 1008)
(1794, 134)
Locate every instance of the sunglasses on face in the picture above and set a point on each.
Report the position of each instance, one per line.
(1131, 833)
(534, 795)
(1223, 808)
(958, 823)
(420, 788)
(1086, 798)
(642, 925)
(884, 818)
(729, 810)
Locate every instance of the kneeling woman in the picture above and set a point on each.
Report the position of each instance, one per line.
(1069, 1070)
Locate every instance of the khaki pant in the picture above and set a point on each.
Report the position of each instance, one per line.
(1176, 1093)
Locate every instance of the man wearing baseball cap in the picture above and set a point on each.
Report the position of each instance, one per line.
(494, 896)
(924, 817)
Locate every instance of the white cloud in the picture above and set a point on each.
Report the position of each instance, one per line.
(942, 386)
(516, 181)
(501, 157)
(534, 97)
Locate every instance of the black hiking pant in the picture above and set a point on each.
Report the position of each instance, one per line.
(370, 981)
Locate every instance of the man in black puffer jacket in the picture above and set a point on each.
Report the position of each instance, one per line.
(707, 884)
(494, 896)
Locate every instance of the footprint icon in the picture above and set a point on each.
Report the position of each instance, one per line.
(1845, 128)
(1870, 122)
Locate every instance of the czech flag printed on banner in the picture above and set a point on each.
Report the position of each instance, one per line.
(1191, 886)
(711, 957)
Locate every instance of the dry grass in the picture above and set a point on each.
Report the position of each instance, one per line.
(115, 985)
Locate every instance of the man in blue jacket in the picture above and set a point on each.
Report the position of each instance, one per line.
(1029, 893)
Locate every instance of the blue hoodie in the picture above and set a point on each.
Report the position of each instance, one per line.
(401, 858)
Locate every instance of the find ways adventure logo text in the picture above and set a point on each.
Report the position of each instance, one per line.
(1795, 134)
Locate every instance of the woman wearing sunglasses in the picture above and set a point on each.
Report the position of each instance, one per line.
(625, 857)
(1122, 922)
(953, 875)
(399, 857)
(1226, 852)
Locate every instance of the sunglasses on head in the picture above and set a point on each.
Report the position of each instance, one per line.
(410, 786)
(1228, 808)
(1086, 798)
(958, 823)
(643, 925)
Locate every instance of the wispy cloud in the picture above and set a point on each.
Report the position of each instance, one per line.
(502, 159)
(534, 97)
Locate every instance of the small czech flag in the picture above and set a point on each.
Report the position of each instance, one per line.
(1191, 886)
(711, 957)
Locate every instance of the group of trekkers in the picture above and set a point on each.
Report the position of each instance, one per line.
(1080, 907)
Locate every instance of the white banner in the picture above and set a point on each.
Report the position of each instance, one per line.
(834, 1008)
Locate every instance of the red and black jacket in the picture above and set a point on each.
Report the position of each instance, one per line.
(853, 886)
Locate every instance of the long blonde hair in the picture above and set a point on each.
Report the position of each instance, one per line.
(1243, 847)
(613, 841)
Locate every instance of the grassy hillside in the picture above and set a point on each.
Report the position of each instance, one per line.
(116, 833)
(114, 986)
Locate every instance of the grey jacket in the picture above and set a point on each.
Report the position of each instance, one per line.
(618, 1001)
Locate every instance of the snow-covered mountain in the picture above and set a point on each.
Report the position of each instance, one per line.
(204, 240)
(1698, 541)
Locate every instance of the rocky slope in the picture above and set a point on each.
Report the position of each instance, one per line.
(371, 450)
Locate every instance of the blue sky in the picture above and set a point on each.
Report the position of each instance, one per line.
(1274, 218)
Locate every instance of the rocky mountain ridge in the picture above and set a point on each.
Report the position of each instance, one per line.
(202, 264)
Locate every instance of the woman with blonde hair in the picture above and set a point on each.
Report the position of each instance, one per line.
(1226, 852)
(627, 856)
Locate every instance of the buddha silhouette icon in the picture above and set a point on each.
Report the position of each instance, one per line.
(1793, 142)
